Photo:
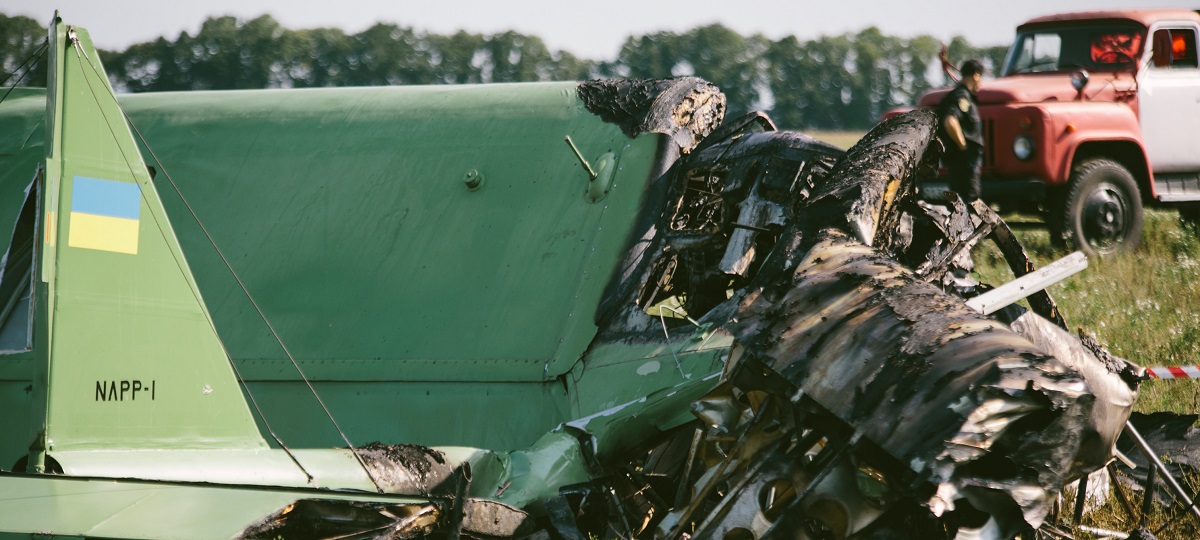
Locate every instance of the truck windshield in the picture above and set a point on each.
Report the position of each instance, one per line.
(1095, 48)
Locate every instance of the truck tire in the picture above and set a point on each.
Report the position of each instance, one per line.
(1100, 212)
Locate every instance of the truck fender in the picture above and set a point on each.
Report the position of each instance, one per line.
(1087, 129)
(1125, 149)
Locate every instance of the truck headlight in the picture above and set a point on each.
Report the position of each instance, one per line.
(1023, 148)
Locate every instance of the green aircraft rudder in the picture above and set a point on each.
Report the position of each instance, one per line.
(129, 353)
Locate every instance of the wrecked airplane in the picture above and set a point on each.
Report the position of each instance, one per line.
(561, 310)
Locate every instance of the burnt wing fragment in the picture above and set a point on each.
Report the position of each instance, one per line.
(721, 211)
(863, 397)
(686, 109)
(326, 518)
(403, 469)
(409, 469)
(862, 400)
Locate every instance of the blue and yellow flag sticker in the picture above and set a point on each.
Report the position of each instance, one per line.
(104, 215)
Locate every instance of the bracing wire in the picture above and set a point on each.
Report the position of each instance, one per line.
(666, 335)
(33, 59)
(180, 266)
(249, 296)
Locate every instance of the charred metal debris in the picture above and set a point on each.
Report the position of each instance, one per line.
(862, 398)
(445, 508)
(686, 109)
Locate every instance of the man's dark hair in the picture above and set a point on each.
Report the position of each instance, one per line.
(971, 67)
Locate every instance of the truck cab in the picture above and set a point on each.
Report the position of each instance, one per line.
(1087, 121)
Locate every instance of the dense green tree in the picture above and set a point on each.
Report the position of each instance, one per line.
(714, 52)
(918, 62)
(874, 77)
(386, 54)
(318, 57)
(457, 58)
(225, 54)
(513, 57)
(831, 82)
(810, 82)
(568, 67)
(992, 58)
(228, 53)
(651, 55)
(157, 65)
(21, 39)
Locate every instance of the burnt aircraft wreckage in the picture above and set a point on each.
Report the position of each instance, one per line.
(714, 329)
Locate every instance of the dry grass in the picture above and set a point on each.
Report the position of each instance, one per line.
(1145, 306)
(844, 139)
(1165, 522)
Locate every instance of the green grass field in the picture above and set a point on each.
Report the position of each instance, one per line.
(1145, 305)
(844, 139)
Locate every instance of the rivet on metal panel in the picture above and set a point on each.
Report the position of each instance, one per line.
(473, 179)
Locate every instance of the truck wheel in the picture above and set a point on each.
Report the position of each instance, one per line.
(1101, 211)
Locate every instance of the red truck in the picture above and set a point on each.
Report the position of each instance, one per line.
(1090, 118)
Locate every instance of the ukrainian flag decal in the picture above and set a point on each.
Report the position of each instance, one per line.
(104, 215)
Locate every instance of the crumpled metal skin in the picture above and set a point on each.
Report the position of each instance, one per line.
(322, 518)
(704, 226)
(645, 106)
(862, 401)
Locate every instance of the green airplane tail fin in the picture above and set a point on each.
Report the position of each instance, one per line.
(132, 359)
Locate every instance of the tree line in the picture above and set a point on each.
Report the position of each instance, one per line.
(832, 82)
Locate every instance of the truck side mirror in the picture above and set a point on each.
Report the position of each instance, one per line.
(1161, 55)
(1079, 80)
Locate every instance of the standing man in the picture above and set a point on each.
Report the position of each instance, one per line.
(962, 132)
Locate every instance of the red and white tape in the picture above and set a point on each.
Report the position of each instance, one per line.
(1174, 372)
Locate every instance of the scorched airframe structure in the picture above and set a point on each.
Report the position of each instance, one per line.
(538, 310)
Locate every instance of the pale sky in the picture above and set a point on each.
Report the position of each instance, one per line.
(593, 30)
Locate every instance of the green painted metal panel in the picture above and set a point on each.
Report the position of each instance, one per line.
(345, 212)
(403, 241)
(98, 508)
(21, 132)
(348, 215)
(353, 227)
(133, 359)
(658, 383)
(645, 368)
(17, 429)
(498, 416)
(15, 401)
(356, 197)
